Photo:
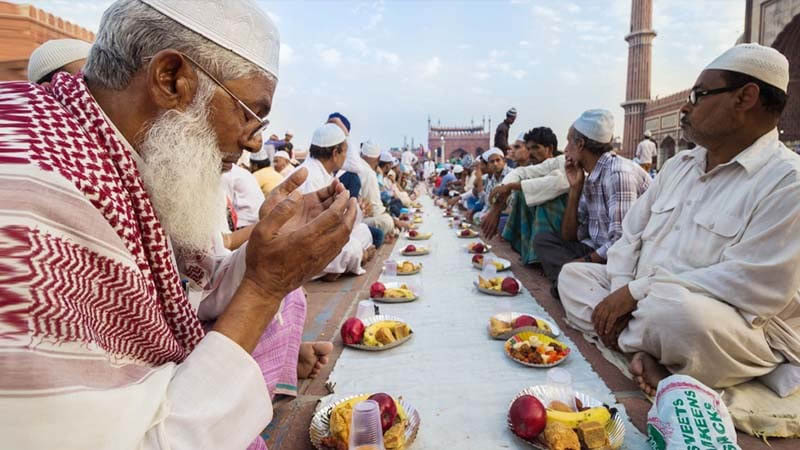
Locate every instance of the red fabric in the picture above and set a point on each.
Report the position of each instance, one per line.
(61, 129)
(438, 181)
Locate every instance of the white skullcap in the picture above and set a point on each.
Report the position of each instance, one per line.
(386, 157)
(648, 134)
(55, 54)
(240, 26)
(261, 155)
(328, 135)
(597, 125)
(288, 133)
(512, 112)
(458, 168)
(760, 62)
(521, 137)
(282, 154)
(370, 150)
(490, 152)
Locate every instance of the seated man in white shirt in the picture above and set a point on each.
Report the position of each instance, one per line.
(705, 278)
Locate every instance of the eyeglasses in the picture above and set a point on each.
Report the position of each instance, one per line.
(696, 94)
(262, 121)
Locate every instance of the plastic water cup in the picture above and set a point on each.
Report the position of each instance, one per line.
(489, 270)
(365, 428)
(390, 268)
(561, 382)
(365, 310)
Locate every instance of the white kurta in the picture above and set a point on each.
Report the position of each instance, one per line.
(702, 247)
(541, 182)
(645, 151)
(408, 159)
(349, 259)
(245, 194)
(370, 191)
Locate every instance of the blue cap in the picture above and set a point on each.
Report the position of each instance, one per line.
(340, 116)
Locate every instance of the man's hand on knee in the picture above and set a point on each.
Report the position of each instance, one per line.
(611, 316)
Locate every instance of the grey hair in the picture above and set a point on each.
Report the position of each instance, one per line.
(130, 31)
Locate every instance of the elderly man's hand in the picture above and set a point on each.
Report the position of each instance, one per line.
(500, 193)
(611, 316)
(489, 222)
(575, 174)
(298, 235)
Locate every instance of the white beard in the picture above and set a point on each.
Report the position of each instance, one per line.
(181, 173)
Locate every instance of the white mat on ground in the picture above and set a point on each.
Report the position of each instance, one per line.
(455, 375)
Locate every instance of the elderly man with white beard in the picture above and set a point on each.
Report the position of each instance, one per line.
(100, 344)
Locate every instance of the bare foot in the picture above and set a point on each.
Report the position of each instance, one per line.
(647, 372)
(312, 358)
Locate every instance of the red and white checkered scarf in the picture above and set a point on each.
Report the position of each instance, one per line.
(54, 287)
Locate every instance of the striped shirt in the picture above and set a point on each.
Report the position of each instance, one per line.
(608, 193)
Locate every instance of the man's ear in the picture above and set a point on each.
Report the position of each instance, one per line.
(171, 80)
(748, 97)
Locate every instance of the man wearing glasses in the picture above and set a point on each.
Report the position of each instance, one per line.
(704, 280)
(109, 185)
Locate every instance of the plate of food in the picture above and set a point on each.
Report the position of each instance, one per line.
(408, 268)
(391, 292)
(417, 220)
(536, 349)
(500, 264)
(413, 226)
(414, 235)
(330, 426)
(448, 213)
(377, 333)
(506, 324)
(541, 420)
(503, 286)
(404, 217)
(415, 250)
(478, 247)
(467, 234)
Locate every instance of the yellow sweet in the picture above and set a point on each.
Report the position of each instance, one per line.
(401, 292)
(371, 332)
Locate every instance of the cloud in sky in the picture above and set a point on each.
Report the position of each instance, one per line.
(388, 65)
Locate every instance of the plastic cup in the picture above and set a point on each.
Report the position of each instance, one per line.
(489, 270)
(390, 268)
(365, 310)
(561, 382)
(365, 428)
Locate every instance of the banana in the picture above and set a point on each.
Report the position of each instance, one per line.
(599, 414)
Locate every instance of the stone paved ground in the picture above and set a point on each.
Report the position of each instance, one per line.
(330, 303)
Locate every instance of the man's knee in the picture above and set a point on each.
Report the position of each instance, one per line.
(546, 239)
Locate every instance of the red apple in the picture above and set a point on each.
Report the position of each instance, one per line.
(465, 233)
(377, 289)
(352, 331)
(477, 259)
(528, 417)
(478, 248)
(510, 285)
(404, 217)
(388, 409)
(413, 233)
(524, 321)
(411, 249)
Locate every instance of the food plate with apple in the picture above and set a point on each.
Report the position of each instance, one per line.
(467, 234)
(415, 250)
(500, 264)
(478, 247)
(330, 426)
(392, 292)
(408, 268)
(538, 416)
(504, 325)
(414, 235)
(536, 349)
(418, 220)
(502, 286)
(375, 334)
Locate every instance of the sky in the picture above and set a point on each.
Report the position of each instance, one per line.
(389, 65)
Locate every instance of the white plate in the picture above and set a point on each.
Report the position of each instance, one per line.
(555, 331)
(320, 423)
(394, 300)
(497, 293)
(507, 350)
(376, 319)
(615, 427)
(420, 252)
(473, 236)
(506, 263)
(419, 237)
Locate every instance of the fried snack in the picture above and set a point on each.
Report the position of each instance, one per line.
(556, 405)
(401, 331)
(385, 336)
(560, 437)
(340, 421)
(395, 437)
(498, 327)
(593, 435)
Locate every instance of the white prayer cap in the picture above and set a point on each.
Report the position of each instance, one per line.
(648, 134)
(240, 26)
(328, 135)
(490, 152)
(261, 155)
(758, 61)
(512, 112)
(521, 137)
(370, 150)
(55, 54)
(282, 154)
(288, 133)
(386, 157)
(458, 168)
(596, 124)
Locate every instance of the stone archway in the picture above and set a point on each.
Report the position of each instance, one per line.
(458, 153)
(786, 43)
(668, 147)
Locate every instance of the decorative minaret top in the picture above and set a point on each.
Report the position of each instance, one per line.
(637, 92)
